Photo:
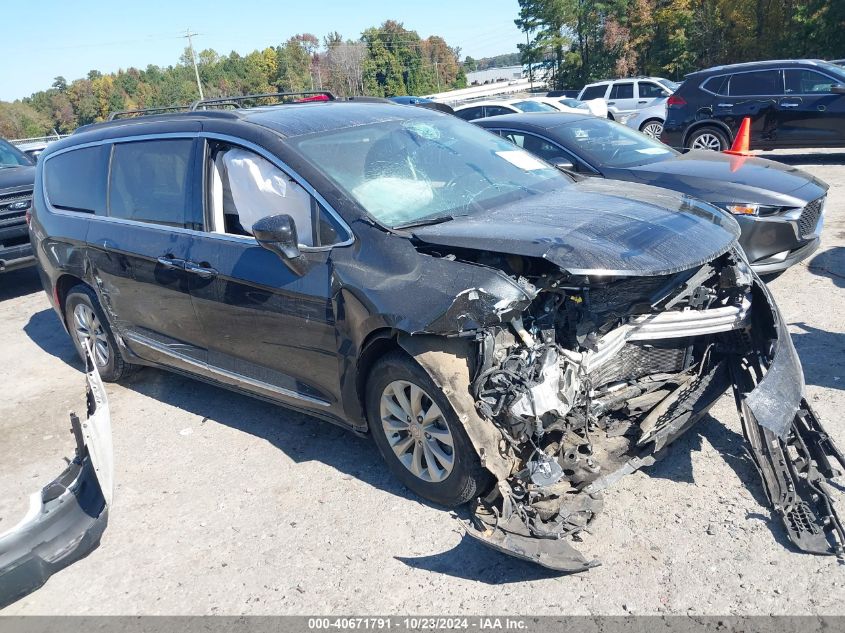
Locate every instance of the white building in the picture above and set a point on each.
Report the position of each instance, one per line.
(492, 75)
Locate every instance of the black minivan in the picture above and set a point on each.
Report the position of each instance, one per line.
(505, 332)
(792, 103)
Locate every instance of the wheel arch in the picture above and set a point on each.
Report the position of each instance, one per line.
(722, 127)
(61, 288)
(653, 119)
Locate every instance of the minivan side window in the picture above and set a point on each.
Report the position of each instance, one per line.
(593, 92)
(760, 83)
(150, 181)
(245, 187)
(76, 180)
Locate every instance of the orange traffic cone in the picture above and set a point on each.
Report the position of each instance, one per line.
(742, 140)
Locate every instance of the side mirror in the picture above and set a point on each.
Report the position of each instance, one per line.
(277, 233)
(838, 89)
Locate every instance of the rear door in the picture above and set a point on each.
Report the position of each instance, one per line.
(139, 248)
(269, 329)
(622, 99)
(754, 94)
(809, 112)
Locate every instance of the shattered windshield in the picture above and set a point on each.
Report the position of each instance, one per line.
(431, 169)
(608, 144)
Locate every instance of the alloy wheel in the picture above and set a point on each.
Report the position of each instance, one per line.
(89, 332)
(417, 431)
(653, 129)
(707, 141)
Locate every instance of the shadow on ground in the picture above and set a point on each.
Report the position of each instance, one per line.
(837, 158)
(18, 283)
(45, 330)
(831, 264)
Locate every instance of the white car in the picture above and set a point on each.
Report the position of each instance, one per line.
(649, 120)
(625, 96)
(483, 109)
(596, 107)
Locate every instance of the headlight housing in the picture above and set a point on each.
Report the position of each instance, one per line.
(750, 208)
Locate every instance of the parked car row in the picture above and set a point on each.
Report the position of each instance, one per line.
(793, 103)
(509, 333)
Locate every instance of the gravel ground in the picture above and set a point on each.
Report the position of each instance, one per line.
(227, 505)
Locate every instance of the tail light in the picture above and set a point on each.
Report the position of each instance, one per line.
(676, 100)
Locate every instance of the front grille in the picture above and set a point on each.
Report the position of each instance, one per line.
(810, 217)
(13, 217)
(12, 198)
(635, 361)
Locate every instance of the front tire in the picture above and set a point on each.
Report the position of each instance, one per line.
(708, 138)
(419, 435)
(88, 326)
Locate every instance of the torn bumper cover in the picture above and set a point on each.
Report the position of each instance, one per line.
(795, 457)
(558, 492)
(67, 517)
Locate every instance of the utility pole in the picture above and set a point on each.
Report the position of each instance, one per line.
(189, 35)
(437, 74)
(530, 67)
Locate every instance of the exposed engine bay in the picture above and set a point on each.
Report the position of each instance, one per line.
(599, 374)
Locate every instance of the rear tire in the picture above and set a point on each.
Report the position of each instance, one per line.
(652, 128)
(419, 435)
(708, 138)
(86, 323)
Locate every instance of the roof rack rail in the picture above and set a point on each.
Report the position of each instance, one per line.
(222, 102)
(143, 111)
(311, 95)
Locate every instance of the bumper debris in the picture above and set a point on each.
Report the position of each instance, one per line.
(67, 517)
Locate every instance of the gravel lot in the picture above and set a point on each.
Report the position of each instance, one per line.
(227, 505)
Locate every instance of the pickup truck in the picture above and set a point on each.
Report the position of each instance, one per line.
(17, 175)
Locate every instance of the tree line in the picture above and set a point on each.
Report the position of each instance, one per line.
(386, 60)
(584, 40)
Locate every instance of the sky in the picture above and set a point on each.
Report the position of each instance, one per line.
(53, 37)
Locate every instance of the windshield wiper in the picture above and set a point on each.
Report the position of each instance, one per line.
(438, 219)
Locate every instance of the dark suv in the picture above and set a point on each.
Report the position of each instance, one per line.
(17, 174)
(505, 332)
(794, 103)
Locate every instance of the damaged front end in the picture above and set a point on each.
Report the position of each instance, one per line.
(67, 517)
(599, 374)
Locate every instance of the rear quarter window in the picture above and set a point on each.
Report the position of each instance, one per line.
(716, 85)
(76, 180)
(468, 114)
(593, 92)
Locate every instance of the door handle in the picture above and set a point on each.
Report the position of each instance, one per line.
(204, 272)
(725, 105)
(171, 263)
(611, 103)
(643, 102)
(788, 105)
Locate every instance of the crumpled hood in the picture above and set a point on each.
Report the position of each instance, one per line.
(719, 178)
(597, 227)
